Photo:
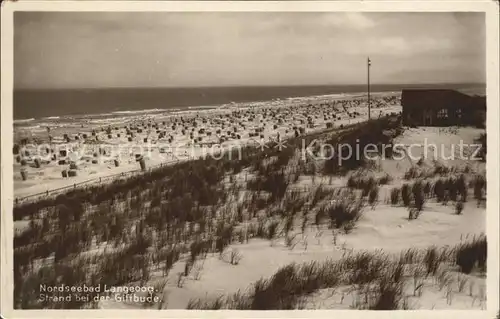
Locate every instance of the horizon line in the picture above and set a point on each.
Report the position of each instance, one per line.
(240, 86)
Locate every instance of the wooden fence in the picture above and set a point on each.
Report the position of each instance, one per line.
(97, 180)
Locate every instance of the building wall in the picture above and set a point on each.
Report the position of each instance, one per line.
(440, 108)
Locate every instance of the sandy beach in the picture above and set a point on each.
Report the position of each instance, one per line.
(168, 137)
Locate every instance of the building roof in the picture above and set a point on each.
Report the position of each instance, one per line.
(432, 93)
(437, 97)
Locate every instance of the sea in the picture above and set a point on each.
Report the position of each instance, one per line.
(59, 105)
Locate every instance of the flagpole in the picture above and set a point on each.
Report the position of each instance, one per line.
(369, 106)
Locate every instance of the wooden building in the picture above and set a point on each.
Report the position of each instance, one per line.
(442, 107)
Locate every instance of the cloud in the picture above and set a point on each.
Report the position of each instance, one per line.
(228, 48)
(392, 45)
(345, 20)
(359, 20)
(405, 46)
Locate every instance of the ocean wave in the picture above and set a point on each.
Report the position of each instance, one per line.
(85, 116)
(33, 128)
(23, 121)
(139, 111)
(184, 112)
(109, 120)
(204, 107)
(51, 118)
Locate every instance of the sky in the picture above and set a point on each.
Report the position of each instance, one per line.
(165, 49)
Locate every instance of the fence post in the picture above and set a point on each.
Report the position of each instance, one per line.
(100, 179)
